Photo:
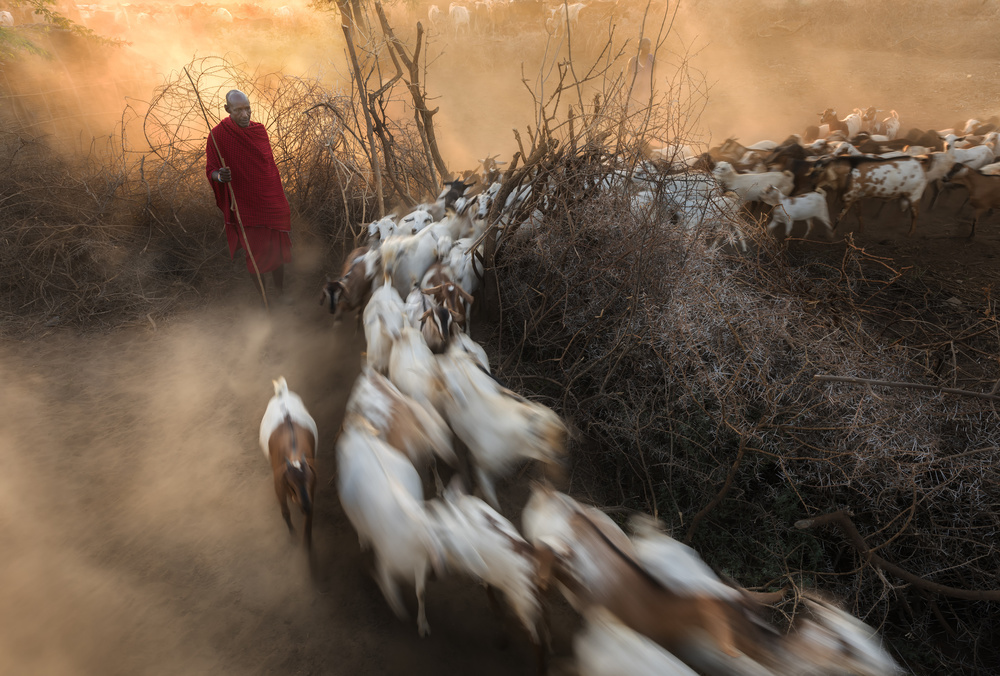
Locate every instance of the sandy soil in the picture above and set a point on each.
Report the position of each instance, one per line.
(940, 247)
(139, 526)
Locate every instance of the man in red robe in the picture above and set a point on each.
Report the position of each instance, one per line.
(253, 175)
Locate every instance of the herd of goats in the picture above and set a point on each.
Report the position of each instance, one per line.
(851, 159)
(650, 604)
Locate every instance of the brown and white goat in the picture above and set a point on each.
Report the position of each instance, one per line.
(432, 320)
(351, 292)
(288, 437)
(595, 565)
(417, 431)
(984, 191)
(439, 283)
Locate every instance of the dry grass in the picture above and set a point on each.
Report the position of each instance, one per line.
(130, 231)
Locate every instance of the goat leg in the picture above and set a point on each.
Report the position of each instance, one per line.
(390, 590)
(420, 581)
(282, 491)
(840, 218)
(503, 638)
(913, 219)
(438, 484)
(307, 531)
(935, 193)
(975, 219)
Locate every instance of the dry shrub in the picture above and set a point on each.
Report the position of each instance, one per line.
(76, 250)
(688, 370)
(130, 229)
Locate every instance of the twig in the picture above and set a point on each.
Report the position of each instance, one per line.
(909, 386)
(842, 519)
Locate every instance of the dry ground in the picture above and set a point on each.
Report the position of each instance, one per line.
(138, 520)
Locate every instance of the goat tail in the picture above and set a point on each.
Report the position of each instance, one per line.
(305, 500)
(280, 387)
(297, 473)
(821, 191)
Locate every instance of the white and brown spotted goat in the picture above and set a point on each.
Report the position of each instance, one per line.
(288, 437)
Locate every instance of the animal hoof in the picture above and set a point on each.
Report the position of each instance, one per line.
(424, 629)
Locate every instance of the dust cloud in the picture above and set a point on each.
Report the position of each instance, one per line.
(769, 67)
(140, 528)
(140, 534)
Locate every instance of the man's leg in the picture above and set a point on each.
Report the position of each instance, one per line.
(278, 275)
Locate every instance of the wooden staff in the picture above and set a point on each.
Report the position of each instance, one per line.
(232, 195)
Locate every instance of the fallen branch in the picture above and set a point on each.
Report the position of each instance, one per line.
(720, 496)
(842, 519)
(908, 386)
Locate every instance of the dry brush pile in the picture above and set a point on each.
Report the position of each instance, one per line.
(689, 370)
(130, 230)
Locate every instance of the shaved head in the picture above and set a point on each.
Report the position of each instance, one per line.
(234, 95)
(238, 107)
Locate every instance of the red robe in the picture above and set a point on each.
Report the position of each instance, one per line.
(259, 195)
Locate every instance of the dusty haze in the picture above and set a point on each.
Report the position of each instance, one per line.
(140, 528)
(765, 69)
(139, 524)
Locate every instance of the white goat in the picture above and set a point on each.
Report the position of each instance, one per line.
(460, 19)
(482, 544)
(414, 222)
(751, 186)
(844, 148)
(787, 210)
(674, 564)
(381, 230)
(890, 125)
(561, 13)
(435, 16)
(499, 427)
(461, 342)
(974, 157)
(405, 258)
(288, 436)
(853, 122)
(384, 320)
(413, 367)
(382, 497)
(831, 641)
(606, 647)
(464, 268)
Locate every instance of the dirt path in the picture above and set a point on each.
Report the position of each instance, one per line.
(939, 248)
(140, 530)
